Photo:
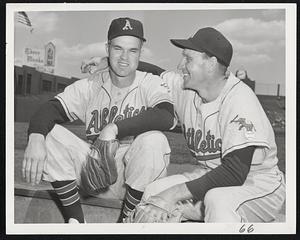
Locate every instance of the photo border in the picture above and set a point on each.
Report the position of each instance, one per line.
(288, 227)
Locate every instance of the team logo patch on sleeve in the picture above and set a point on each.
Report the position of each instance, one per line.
(244, 124)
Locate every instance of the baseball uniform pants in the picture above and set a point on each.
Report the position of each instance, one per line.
(259, 199)
(139, 163)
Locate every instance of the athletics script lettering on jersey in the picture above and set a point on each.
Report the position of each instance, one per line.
(100, 119)
(198, 144)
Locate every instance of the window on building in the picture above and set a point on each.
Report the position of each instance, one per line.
(28, 86)
(19, 84)
(47, 86)
(61, 87)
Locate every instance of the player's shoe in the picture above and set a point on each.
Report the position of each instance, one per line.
(74, 221)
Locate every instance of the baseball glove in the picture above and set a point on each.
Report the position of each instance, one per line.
(100, 170)
(139, 215)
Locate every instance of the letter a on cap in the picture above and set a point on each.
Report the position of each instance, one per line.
(127, 25)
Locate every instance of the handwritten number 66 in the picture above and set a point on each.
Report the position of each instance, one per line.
(249, 229)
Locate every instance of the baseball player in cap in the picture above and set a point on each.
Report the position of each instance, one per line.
(228, 132)
(118, 102)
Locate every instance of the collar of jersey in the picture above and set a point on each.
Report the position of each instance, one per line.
(231, 81)
(138, 77)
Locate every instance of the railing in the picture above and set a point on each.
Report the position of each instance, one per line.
(272, 89)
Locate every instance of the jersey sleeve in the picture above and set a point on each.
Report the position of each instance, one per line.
(155, 90)
(174, 81)
(74, 99)
(150, 68)
(243, 122)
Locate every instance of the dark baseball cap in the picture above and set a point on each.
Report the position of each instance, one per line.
(210, 41)
(125, 27)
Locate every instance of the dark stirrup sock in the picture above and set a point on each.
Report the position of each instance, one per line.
(132, 198)
(68, 194)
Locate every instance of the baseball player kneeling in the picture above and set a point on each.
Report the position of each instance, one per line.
(226, 129)
(228, 132)
(123, 110)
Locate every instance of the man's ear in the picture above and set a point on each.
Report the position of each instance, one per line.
(142, 47)
(212, 64)
(107, 48)
(214, 61)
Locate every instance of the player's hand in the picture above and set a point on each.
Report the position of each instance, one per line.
(34, 158)
(109, 132)
(93, 64)
(156, 213)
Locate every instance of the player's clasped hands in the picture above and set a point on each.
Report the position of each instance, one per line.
(34, 159)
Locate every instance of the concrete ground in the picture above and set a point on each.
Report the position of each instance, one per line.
(38, 210)
(31, 208)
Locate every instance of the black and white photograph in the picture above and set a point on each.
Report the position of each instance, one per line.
(151, 118)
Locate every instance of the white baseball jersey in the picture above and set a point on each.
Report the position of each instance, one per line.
(233, 121)
(97, 102)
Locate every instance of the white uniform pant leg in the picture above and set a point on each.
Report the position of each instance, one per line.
(259, 199)
(147, 159)
(65, 155)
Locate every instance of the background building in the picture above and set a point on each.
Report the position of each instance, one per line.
(29, 81)
(32, 88)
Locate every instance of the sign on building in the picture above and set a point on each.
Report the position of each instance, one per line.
(50, 55)
(42, 60)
